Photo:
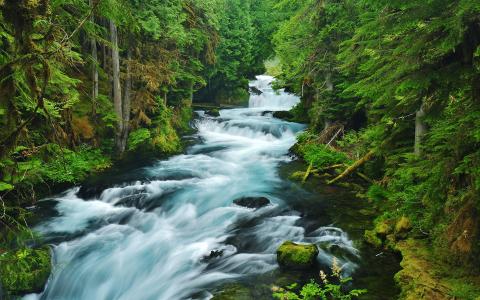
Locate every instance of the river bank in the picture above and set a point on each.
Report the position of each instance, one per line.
(427, 270)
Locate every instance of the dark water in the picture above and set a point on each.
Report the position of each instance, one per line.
(146, 233)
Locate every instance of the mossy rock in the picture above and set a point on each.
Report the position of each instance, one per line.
(297, 256)
(233, 292)
(383, 229)
(25, 271)
(403, 225)
(372, 238)
(402, 228)
(214, 112)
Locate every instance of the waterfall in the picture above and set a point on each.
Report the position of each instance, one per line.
(269, 99)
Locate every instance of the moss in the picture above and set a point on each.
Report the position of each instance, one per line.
(25, 271)
(214, 112)
(372, 238)
(296, 256)
(403, 225)
(425, 277)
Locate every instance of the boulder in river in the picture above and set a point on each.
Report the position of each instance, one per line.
(252, 202)
(297, 256)
(254, 90)
(267, 112)
(214, 112)
(213, 254)
(284, 115)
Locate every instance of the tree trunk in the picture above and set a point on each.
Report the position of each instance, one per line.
(126, 103)
(93, 44)
(329, 88)
(117, 92)
(420, 131)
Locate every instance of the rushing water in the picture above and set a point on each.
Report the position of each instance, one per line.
(148, 237)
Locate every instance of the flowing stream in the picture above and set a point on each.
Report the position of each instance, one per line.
(152, 235)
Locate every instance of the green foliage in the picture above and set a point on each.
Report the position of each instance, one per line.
(138, 137)
(25, 270)
(245, 28)
(321, 156)
(377, 193)
(69, 166)
(314, 291)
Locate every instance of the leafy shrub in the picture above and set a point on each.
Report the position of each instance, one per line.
(321, 156)
(25, 270)
(138, 138)
(72, 167)
(328, 289)
(377, 193)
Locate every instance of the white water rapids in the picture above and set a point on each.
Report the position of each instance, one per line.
(148, 239)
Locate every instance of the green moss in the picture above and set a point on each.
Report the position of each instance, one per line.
(214, 112)
(425, 277)
(372, 238)
(403, 224)
(383, 228)
(25, 271)
(297, 256)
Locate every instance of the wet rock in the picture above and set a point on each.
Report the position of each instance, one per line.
(88, 191)
(25, 271)
(284, 115)
(254, 90)
(213, 254)
(297, 256)
(252, 202)
(214, 112)
(264, 113)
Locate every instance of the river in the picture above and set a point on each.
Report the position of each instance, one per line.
(148, 233)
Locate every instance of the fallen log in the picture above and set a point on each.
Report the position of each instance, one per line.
(309, 169)
(364, 177)
(353, 167)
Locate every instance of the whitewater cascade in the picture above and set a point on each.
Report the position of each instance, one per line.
(148, 238)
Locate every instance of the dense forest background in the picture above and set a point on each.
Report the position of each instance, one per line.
(86, 83)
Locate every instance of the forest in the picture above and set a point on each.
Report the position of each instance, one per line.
(389, 92)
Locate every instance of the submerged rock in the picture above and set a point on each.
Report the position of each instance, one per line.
(252, 202)
(25, 271)
(297, 256)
